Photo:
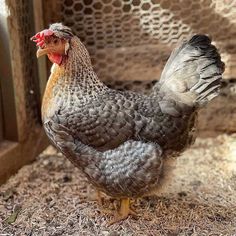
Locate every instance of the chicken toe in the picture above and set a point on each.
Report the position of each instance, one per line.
(124, 212)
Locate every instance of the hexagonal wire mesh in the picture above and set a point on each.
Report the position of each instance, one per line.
(21, 12)
(28, 58)
(130, 40)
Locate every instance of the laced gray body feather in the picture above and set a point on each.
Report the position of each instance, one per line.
(121, 140)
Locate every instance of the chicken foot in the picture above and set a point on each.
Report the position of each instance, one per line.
(99, 198)
(124, 211)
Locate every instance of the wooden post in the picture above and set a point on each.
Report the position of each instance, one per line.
(28, 138)
(42, 61)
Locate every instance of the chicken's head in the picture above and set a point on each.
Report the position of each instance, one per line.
(55, 42)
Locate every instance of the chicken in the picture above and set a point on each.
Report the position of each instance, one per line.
(122, 141)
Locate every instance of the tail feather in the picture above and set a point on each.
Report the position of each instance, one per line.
(193, 72)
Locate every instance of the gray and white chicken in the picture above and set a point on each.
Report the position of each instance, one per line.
(122, 140)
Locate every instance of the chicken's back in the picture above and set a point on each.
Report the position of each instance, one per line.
(164, 121)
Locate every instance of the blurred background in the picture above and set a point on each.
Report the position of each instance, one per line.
(129, 42)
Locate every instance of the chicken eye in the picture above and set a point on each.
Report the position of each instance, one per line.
(55, 41)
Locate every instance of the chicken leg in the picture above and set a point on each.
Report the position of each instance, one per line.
(99, 197)
(124, 211)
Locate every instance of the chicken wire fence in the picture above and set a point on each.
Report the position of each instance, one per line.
(20, 27)
(130, 40)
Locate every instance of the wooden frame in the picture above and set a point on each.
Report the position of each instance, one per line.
(1, 119)
(23, 137)
(6, 83)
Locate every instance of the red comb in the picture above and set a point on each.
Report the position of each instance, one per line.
(40, 36)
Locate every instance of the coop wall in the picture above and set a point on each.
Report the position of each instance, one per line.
(132, 39)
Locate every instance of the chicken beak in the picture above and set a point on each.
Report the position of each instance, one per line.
(59, 49)
(41, 52)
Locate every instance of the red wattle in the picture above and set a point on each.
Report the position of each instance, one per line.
(55, 58)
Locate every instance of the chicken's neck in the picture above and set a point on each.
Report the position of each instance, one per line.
(76, 74)
(74, 81)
